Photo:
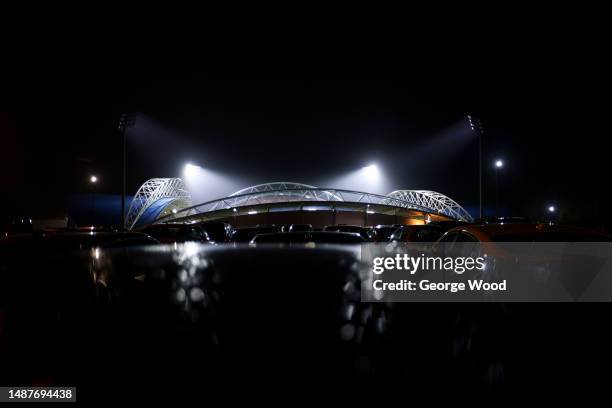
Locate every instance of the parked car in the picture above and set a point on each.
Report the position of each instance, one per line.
(417, 233)
(170, 233)
(364, 232)
(503, 220)
(300, 228)
(65, 240)
(15, 225)
(319, 237)
(446, 225)
(245, 235)
(517, 232)
(217, 231)
(382, 233)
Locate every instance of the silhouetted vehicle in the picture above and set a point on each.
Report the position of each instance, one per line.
(382, 233)
(75, 240)
(502, 220)
(319, 237)
(300, 228)
(245, 235)
(446, 225)
(177, 318)
(15, 225)
(217, 231)
(516, 232)
(364, 232)
(88, 228)
(417, 233)
(170, 233)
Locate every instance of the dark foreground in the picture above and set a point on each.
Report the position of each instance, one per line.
(221, 322)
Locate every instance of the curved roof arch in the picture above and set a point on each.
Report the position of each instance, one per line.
(274, 186)
(278, 192)
(282, 191)
(155, 196)
(433, 200)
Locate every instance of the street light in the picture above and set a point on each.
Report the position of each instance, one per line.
(125, 121)
(552, 210)
(499, 163)
(93, 180)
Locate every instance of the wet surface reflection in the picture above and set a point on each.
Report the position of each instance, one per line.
(232, 312)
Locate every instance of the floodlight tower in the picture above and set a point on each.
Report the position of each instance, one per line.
(125, 121)
(476, 127)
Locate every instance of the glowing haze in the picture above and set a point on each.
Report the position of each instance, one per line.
(369, 179)
(207, 185)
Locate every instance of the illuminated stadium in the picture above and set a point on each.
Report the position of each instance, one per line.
(168, 200)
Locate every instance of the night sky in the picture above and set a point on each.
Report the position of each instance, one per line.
(60, 127)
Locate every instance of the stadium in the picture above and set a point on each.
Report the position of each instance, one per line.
(161, 200)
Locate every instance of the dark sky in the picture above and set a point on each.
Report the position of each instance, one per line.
(303, 126)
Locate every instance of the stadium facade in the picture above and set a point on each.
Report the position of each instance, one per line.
(168, 200)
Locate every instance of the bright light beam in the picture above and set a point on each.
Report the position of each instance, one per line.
(371, 171)
(190, 170)
(369, 179)
(205, 185)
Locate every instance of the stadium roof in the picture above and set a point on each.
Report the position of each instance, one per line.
(169, 199)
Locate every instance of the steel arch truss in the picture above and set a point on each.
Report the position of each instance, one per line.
(173, 190)
(171, 194)
(275, 192)
(434, 201)
(276, 186)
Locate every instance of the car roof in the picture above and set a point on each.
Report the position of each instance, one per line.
(169, 225)
(267, 227)
(421, 226)
(73, 238)
(286, 236)
(502, 229)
